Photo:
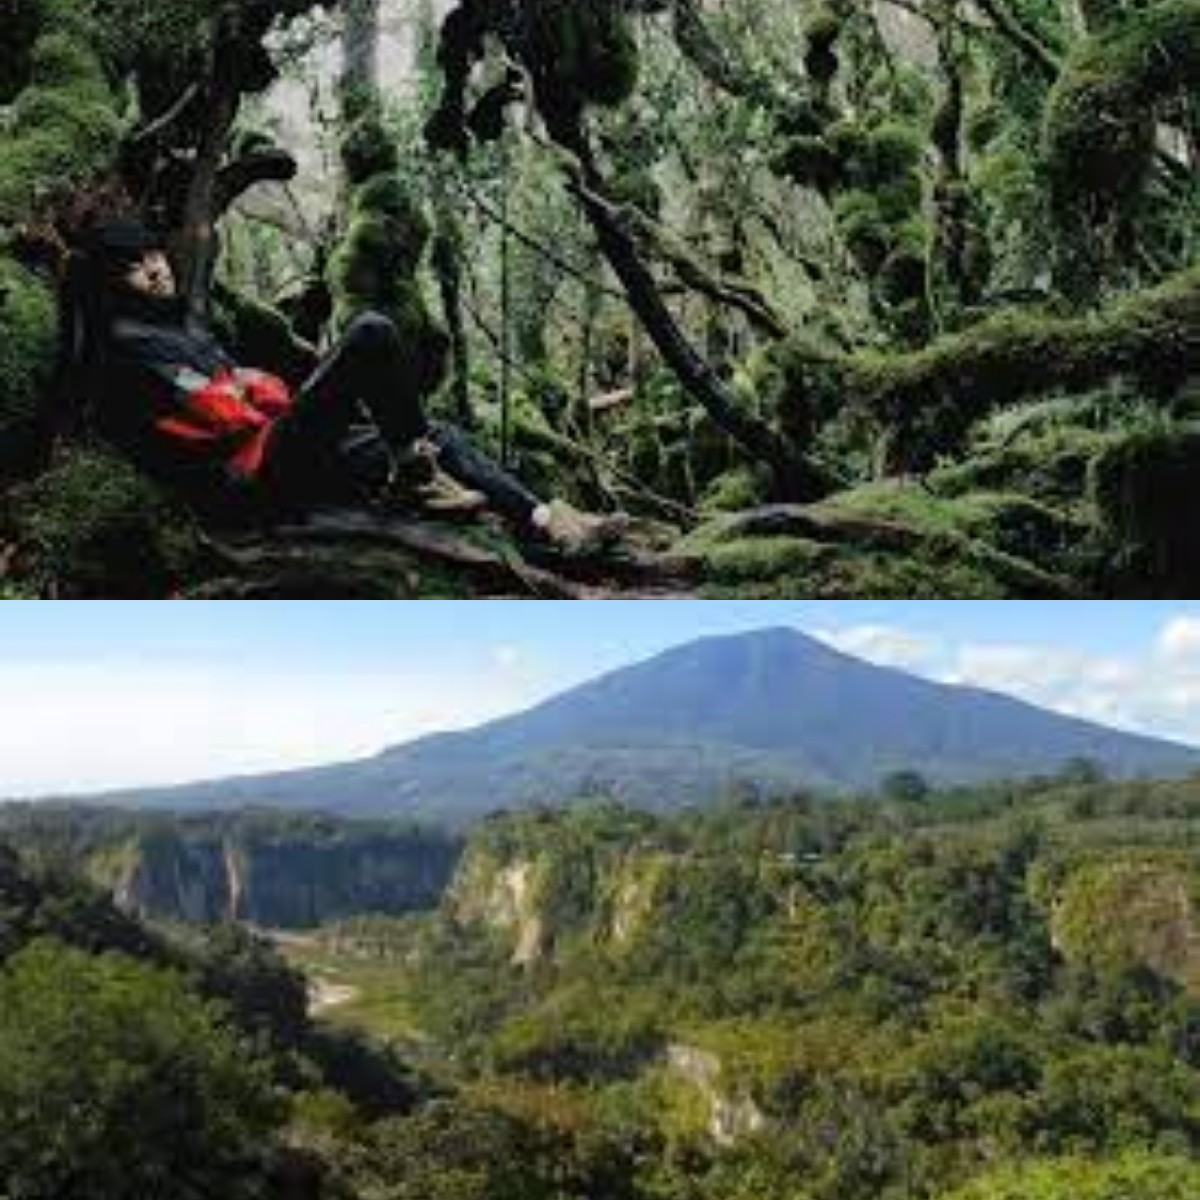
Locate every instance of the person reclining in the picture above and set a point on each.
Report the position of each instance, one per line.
(239, 444)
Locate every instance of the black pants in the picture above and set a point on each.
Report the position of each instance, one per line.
(357, 378)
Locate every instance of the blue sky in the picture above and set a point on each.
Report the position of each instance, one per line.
(96, 694)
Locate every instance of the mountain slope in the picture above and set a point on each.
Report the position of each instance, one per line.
(775, 709)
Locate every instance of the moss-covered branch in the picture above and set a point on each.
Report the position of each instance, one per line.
(1151, 338)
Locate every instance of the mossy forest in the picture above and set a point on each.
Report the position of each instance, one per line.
(826, 298)
(923, 994)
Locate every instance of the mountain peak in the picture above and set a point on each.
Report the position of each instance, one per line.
(775, 708)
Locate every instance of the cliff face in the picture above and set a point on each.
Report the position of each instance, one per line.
(282, 882)
(601, 877)
(270, 869)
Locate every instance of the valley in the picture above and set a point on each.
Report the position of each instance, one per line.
(941, 982)
(939, 944)
(986, 992)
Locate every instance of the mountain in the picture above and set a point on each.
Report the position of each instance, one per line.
(772, 709)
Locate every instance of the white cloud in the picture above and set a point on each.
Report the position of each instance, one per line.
(1180, 639)
(1155, 691)
(507, 657)
(72, 726)
(887, 645)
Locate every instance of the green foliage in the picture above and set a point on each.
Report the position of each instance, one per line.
(116, 1082)
(28, 342)
(377, 268)
(95, 527)
(582, 53)
(1145, 1176)
(934, 395)
(883, 972)
(57, 905)
(64, 125)
(1102, 125)
(1154, 896)
(1144, 485)
(474, 1151)
(368, 149)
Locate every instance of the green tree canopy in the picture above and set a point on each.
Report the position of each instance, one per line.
(118, 1083)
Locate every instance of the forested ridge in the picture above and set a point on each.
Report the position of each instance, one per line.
(984, 994)
(836, 299)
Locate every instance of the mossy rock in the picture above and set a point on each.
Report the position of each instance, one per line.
(28, 341)
(1052, 467)
(891, 541)
(1146, 489)
(93, 528)
(1010, 523)
(736, 489)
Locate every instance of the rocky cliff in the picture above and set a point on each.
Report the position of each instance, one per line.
(267, 869)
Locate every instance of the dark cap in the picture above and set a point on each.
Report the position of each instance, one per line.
(116, 246)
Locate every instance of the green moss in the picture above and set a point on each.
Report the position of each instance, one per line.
(64, 126)
(61, 60)
(582, 53)
(932, 396)
(1011, 524)
(890, 152)
(872, 175)
(736, 489)
(1101, 127)
(769, 558)
(257, 333)
(94, 528)
(822, 32)
(28, 341)
(891, 540)
(1146, 489)
(1052, 467)
(368, 149)
(377, 268)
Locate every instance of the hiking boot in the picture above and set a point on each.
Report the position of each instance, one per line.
(577, 533)
(444, 496)
(415, 468)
